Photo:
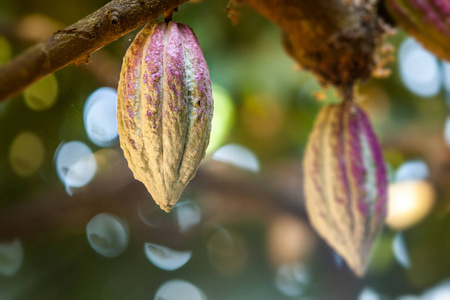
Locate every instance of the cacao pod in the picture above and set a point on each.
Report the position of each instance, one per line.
(164, 109)
(427, 20)
(345, 182)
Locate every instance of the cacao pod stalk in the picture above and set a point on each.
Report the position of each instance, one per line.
(345, 182)
(164, 109)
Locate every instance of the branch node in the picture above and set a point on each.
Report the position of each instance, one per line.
(114, 17)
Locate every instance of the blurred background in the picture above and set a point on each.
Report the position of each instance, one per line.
(74, 224)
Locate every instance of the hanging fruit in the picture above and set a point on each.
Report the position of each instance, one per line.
(345, 182)
(164, 109)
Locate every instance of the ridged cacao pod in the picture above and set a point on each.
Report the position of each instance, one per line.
(164, 109)
(427, 20)
(345, 182)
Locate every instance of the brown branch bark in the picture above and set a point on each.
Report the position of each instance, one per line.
(335, 39)
(76, 42)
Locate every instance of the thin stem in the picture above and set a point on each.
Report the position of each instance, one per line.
(168, 15)
(347, 94)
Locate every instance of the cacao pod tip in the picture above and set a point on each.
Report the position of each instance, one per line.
(359, 272)
(166, 207)
(359, 265)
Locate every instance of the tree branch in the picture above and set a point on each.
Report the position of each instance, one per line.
(335, 39)
(76, 42)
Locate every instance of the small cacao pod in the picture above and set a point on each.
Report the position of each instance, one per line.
(427, 20)
(345, 182)
(164, 109)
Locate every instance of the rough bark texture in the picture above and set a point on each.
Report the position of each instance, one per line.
(335, 39)
(76, 42)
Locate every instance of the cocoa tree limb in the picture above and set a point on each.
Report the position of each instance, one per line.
(335, 39)
(76, 42)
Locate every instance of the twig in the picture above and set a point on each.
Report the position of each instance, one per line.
(75, 43)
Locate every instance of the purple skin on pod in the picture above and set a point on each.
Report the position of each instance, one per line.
(427, 20)
(165, 109)
(345, 182)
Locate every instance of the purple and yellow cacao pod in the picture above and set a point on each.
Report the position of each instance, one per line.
(345, 182)
(427, 20)
(164, 109)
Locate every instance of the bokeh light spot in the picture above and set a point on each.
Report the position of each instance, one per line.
(36, 27)
(153, 216)
(75, 164)
(5, 50)
(338, 260)
(438, 292)
(369, 294)
(419, 69)
(26, 153)
(446, 72)
(99, 117)
(447, 131)
(166, 258)
(262, 116)
(292, 279)
(289, 240)
(412, 170)
(409, 202)
(237, 156)
(188, 215)
(107, 234)
(227, 251)
(408, 297)
(42, 94)
(223, 120)
(11, 257)
(179, 289)
(400, 251)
